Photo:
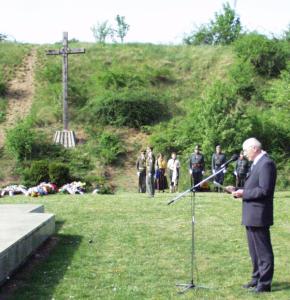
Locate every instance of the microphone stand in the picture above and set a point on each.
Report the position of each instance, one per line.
(191, 284)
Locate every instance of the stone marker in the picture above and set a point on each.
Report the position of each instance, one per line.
(23, 228)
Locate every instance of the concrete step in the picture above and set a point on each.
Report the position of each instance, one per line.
(23, 228)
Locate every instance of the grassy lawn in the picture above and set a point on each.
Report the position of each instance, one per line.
(128, 246)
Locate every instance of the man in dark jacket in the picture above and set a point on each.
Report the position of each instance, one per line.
(141, 172)
(257, 216)
(196, 166)
(241, 170)
(218, 159)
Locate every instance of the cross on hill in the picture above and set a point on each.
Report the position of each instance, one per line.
(65, 51)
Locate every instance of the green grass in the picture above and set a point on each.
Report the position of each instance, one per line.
(11, 56)
(141, 248)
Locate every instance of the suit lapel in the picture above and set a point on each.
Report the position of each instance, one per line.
(254, 167)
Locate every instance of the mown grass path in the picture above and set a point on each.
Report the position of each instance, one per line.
(128, 246)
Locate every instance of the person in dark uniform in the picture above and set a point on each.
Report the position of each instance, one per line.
(150, 171)
(241, 170)
(257, 216)
(141, 172)
(196, 166)
(218, 158)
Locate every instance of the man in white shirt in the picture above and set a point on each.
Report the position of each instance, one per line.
(173, 166)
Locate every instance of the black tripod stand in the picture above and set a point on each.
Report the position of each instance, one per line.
(191, 284)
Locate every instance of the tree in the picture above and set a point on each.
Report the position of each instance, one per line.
(268, 56)
(227, 26)
(3, 37)
(286, 34)
(102, 31)
(223, 30)
(122, 28)
(202, 35)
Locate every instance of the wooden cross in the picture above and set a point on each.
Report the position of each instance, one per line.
(65, 51)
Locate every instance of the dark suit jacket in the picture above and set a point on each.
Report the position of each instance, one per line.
(258, 194)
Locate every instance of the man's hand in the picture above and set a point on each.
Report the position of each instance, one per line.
(238, 193)
(190, 171)
(230, 189)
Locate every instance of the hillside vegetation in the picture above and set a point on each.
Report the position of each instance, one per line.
(11, 56)
(172, 96)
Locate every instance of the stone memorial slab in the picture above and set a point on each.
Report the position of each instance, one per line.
(23, 228)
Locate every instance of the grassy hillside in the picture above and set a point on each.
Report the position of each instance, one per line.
(123, 97)
(128, 246)
(11, 56)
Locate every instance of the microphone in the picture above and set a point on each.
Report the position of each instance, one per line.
(233, 158)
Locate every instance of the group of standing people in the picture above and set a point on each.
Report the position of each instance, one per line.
(151, 172)
(197, 167)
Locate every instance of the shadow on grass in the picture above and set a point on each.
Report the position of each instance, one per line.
(58, 225)
(39, 280)
(40, 275)
(280, 286)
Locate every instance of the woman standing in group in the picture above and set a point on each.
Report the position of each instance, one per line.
(160, 167)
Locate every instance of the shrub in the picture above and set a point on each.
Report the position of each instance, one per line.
(38, 172)
(59, 173)
(242, 75)
(161, 75)
(80, 161)
(267, 56)
(20, 140)
(121, 78)
(127, 108)
(52, 72)
(109, 148)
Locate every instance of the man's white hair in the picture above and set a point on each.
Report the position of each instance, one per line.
(252, 142)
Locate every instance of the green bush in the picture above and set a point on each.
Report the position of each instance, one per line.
(52, 71)
(109, 148)
(121, 78)
(37, 173)
(268, 57)
(242, 75)
(59, 173)
(127, 108)
(20, 141)
(160, 76)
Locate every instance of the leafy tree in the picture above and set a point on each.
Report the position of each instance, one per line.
(269, 57)
(226, 27)
(202, 35)
(102, 31)
(3, 37)
(223, 30)
(286, 35)
(122, 27)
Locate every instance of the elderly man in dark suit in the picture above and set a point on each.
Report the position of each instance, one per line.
(257, 216)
